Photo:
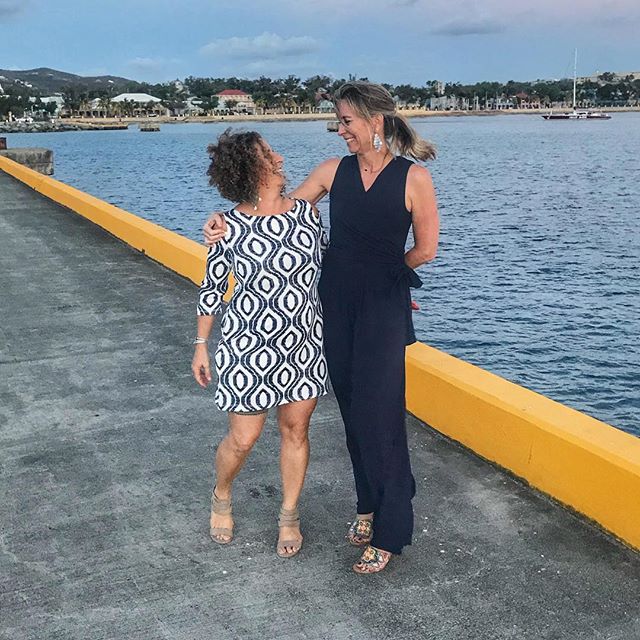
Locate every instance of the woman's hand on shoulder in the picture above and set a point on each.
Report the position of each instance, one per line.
(421, 202)
(215, 228)
(318, 183)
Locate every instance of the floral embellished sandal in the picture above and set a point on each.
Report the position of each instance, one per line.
(361, 531)
(221, 535)
(372, 560)
(289, 518)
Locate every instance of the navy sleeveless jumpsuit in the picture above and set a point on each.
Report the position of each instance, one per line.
(364, 287)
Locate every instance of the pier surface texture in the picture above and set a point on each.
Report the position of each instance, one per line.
(107, 467)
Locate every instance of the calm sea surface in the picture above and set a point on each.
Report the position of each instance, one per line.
(537, 278)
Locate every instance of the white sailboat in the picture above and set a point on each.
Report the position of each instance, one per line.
(577, 114)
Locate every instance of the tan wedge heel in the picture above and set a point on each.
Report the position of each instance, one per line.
(289, 518)
(221, 535)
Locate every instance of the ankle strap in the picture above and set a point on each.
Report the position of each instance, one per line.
(288, 517)
(220, 507)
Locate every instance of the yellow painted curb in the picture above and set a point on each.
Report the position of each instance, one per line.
(582, 462)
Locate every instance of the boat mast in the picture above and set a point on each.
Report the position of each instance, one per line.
(575, 71)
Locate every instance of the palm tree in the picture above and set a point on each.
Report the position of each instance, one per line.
(105, 105)
(261, 103)
(85, 104)
(150, 107)
(72, 100)
(210, 103)
(127, 107)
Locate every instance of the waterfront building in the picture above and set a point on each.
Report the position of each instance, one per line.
(322, 100)
(235, 100)
(500, 103)
(129, 104)
(448, 103)
(525, 101)
(138, 98)
(406, 104)
(325, 106)
(193, 107)
(56, 98)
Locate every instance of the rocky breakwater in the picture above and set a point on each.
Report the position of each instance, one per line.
(47, 127)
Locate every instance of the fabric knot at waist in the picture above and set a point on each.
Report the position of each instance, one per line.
(406, 274)
(395, 266)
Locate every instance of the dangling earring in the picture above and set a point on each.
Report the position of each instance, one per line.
(377, 143)
(255, 206)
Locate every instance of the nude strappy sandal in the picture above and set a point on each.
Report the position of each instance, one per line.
(289, 518)
(220, 508)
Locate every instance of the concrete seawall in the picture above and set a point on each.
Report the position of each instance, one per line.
(40, 160)
(585, 464)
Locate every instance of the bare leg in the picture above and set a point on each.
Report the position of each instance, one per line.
(243, 433)
(293, 420)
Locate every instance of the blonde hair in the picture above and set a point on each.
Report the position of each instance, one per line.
(369, 99)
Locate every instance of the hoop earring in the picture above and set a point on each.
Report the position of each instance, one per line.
(377, 143)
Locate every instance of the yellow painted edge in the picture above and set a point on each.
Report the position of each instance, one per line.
(180, 254)
(20, 172)
(578, 460)
(582, 462)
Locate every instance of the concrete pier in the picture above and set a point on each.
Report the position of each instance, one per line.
(106, 470)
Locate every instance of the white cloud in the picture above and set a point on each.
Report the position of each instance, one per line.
(148, 65)
(268, 46)
(145, 64)
(465, 27)
(152, 69)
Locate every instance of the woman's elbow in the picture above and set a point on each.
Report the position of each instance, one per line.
(427, 254)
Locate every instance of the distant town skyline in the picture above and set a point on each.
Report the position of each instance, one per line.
(395, 41)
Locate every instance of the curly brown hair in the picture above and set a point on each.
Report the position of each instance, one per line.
(237, 166)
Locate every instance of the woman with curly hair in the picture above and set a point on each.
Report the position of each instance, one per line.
(270, 353)
(376, 195)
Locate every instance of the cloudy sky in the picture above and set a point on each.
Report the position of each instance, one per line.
(396, 41)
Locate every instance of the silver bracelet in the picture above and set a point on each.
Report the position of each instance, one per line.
(199, 340)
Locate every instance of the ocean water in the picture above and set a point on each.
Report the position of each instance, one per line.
(537, 276)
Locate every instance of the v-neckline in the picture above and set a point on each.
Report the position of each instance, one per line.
(373, 184)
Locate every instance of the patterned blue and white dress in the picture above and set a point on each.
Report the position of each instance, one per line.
(270, 352)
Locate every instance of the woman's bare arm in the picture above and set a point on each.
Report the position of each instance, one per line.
(318, 183)
(201, 364)
(313, 189)
(421, 201)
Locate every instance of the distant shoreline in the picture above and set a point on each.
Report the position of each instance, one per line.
(93, 124)
(306, 117)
